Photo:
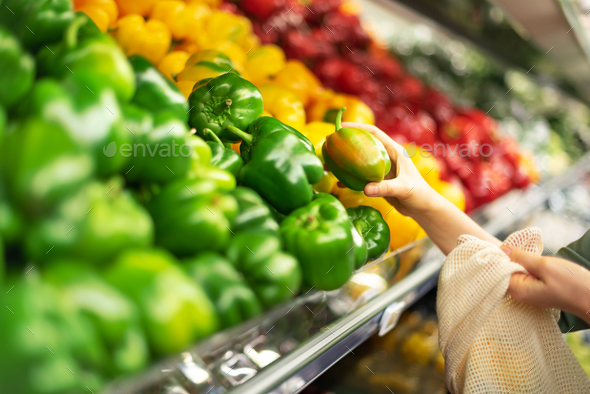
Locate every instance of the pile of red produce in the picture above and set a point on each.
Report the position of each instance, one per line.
(466, 142)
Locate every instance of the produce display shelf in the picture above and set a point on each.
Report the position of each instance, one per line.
(290, 346)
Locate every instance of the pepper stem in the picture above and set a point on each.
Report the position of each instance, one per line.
(215, 137)
(247, 138)
(338, 121)
(71, 35)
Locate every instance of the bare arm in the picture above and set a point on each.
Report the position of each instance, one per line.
(409, 193)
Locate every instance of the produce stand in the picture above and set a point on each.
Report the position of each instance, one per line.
(295, 340)
(289, 347)
(304, 338)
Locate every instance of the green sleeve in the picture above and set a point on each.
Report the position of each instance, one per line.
(579, 253)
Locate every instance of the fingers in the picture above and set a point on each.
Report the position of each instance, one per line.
(525, 288)
(387, 188)
(533, 263)
(394, 149)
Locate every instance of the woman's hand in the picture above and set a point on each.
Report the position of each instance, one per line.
(403, 187)
(552, 282)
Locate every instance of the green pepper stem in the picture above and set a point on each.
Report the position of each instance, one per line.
(247, 138)
(215, 137)
(71, 35)
(338, 121)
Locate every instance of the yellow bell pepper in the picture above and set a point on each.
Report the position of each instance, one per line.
(265, 62)
(283, 105)
(223, 26)
(141, 7)
(182, 19)
(173, 63)
(235, 53)
(186, 87)
(138, 37)
(326, 184)
(296, 77)
(403, 229)
(451, 192)
(427, 166)
(325, 108)
(104, 13)
(317, 132)
(204, 64)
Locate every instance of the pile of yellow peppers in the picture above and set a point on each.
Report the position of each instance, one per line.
(178, 36)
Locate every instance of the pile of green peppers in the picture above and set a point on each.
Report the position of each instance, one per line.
(129, 228)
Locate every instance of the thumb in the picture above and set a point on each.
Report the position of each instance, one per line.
(533, 263)
(386, 188)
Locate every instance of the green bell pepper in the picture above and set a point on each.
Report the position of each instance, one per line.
(93, 120)
(42, 165)
(192, 216)
(222, 157)
(114, 315)
(17, 69)
(274, 276)
(155, 92)
(163, 153)
(93, 225)
(355, 156)
(360, 248)
(320, 236)
(37, 22)
(42, 333)
(175, 310)
(253, 213)
(370, 224)
(227, 100)
(94, 61)
(234, 301)
(280, 163)
(11, 220)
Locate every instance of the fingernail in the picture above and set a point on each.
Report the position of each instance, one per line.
(506, 250)
(370, 190)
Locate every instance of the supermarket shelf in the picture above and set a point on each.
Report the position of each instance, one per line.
(287, 348)
(292, 373)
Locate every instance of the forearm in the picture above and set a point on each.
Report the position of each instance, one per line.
(444, 223)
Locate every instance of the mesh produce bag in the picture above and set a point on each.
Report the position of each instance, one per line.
(492, 343)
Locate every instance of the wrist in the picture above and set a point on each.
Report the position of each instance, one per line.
(433, 205)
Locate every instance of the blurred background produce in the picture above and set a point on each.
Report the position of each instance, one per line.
(162, 175)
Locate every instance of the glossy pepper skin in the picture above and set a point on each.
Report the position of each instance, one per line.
(32, 162)
(373, 228)
(320, 236)
(136, 36)
(154, 92)
(283, 105)
(253, 212)
(234, 301)
(221, 102)
(274, 276)
(355, 156)
(280, 163)
(114, 315)
(89, 57)
(175, 310)
(76, 110)
(209, 63)
(17, 69)
(193, 216)
(104, 13)
(23, 365)
(101, 219)
(47, 19)
(162, 153)
(225, 158)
